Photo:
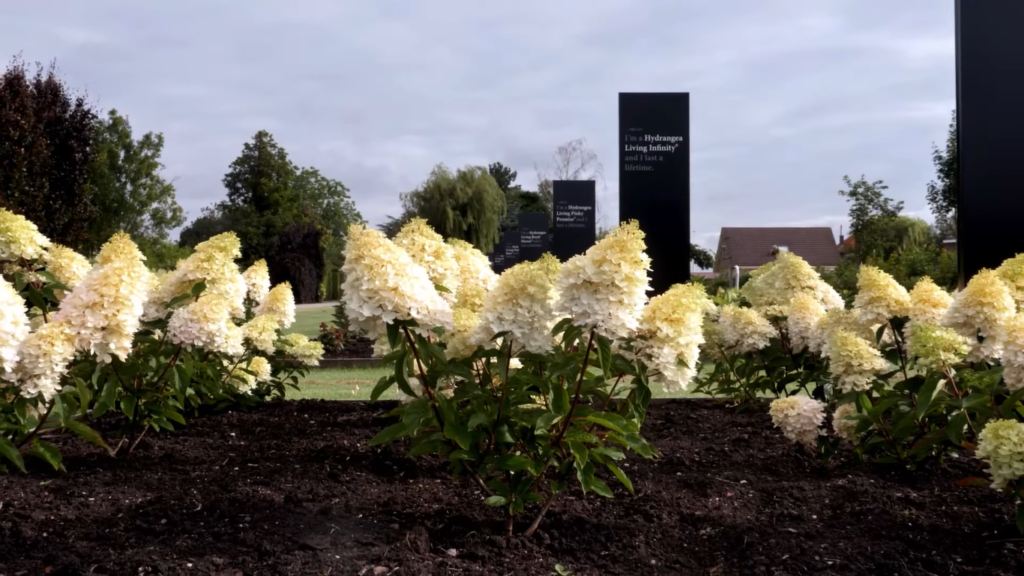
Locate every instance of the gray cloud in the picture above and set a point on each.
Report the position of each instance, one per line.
(786, 96)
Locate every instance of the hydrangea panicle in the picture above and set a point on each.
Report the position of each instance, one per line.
(799, 418)
(1001, 445)
(213, 263)
(206, 323)
(522, 303)
(43, 360)
(804, 314)
(743, 330)
(14, 325)
(606, 287)
(279, 304)
(307, 352)
(476, 278)
(428, 249)
(853, 361)
(937, 347)
(20, 238)
(672, 332)
(66, 265)
(1011, 272)
(772, 287)
(257, 280)
(980, 309)
(844, 427)
(1012, 352)
(261, 332)
(879, 297)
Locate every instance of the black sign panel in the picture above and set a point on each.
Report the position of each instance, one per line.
(654, 179)
(511, 242)
(498, 257)
(533, 235)
(575, 220)
(990, 121)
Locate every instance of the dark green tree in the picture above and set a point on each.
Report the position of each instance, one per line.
(943, 193)
(326, 202)
(872, 218)
(504, 176)
(261, 196)
(701, 257)
(47, 144)
(128, 190)
(213, 220)
(466, 204)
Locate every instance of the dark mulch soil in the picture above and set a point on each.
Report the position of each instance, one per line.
(355, 347)
(293, 488)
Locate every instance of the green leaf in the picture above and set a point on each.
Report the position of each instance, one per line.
(47, 452)
(459, 455)
(579, 452)
(477, 419)
(428, 447)
(600, 487)
(128, 406)
(459, 433)
(559, 399)
(621, 476)
(604, 421)
(545, 421)
(198, 289)
(925, 397)
(441, 289)
(393, 335)
(512, 463)
(84, 395)
(383, 384)
(106, 399)
(604, 351)
(86, 433)
(496, 501)
(389, 434)
(174, 417)
(10, 451)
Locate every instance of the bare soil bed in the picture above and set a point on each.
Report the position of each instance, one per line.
(293, 488)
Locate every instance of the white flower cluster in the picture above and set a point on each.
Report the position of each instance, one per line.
(879, 297)
(206, 323)
(307, 352)
(427, 248)
(845, 427)
(43, 359)
(672, 331)
(981, 308)
(104, 309)
(382, 282)
(1001, 445)
(743, 330)
(853, 361)
(804, 314)
(278, 304)
(799, 418)
(20, 238)
(257, 280)
(14, 325)
(606, 287)
(523, 304)
(261, 332)
(213, 263)
(1012, 353)
(772, 287)
(476, 278)
(66, 265)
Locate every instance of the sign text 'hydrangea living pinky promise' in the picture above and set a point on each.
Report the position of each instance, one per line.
(654, 179)
(574, 217)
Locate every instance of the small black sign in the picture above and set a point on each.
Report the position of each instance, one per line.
(498, 257)
(533, 235)
(575, 221)
(654, 179)
(511, 242)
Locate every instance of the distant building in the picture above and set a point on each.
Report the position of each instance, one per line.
(750, 248)
(949, 244)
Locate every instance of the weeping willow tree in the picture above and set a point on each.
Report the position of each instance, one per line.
(467, 204)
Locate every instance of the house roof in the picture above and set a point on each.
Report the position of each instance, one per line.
(751, 247)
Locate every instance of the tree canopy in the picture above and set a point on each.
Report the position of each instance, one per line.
(467, 204)
(46, 147)
(872, 216)
(943, 194)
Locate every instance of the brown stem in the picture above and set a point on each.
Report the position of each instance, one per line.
(540, 515)
(508, 523)
(137, 440)
(899, 350)
(576, 395)
(39, 426)
(611, 393)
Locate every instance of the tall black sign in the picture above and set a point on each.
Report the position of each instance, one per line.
(498, 257)
(533, 235)
(575, 221)
(511, 242)
(654, 179)
(990, 122)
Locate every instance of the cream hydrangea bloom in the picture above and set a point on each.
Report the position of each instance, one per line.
(928, 302)
(257, 280)
(772, 287)
(937, 347)
(804, 314)
(853, 362)
(671, 330)
(879, 297)
(246, 378)
(427, 248)
(43, 360)
(799, 418)
(1001, 445)
(1012, 352)
(606, 287)
(383, 284)
(476, 278)
(522, 303)
(743, 330)
(834, 320)
(213, 263)
(844, 427)
(298, 346)
(279, 304)
(1011, 272)
(981, 308)
(105, 308)
(66, 265)
(261, 367)
(206, 323)
(14, 325)
(261, 332)
(19, 238)
(460, 339)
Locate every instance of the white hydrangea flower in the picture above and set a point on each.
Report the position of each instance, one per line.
(105, 308)
(523, 304)
(460, 339)
(206, 323)
(44, 357)
(672, 332)
(804, 314)
(1001, 445)
(1012, 351)
(307, 352)
(844, 427)
(20, 238)
(743, 330)
(937, 347)
(279, 304)
(879, 297)
(772, 287)
(427, 248)
(981, 308)
(261, 332)
(799, 418)
(928, 302)
(606, 287)
(14, 325)
(834, 320)
(383, 284)
(212, 263)
(257, 280)
(853, 362)
(476, 277)
(66, 265)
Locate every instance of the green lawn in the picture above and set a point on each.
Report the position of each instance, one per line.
(307, 320)
(357, 383)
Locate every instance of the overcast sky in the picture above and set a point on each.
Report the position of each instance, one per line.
(787, 96)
